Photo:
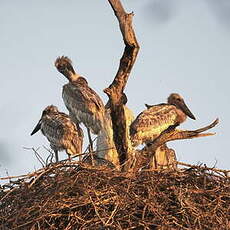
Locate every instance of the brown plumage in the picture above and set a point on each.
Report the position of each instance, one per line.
(156, 118)
(83, 103)
(163, 158)
(61, 132)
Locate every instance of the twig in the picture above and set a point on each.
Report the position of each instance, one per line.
(226, 172)
(112, 214)
(96, 211)
(8, 193)
(39, 176)
(175, 134)
(40, 159)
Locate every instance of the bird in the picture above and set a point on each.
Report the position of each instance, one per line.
(83, 103)
(164, 158)
(150, 123)
(61, 131)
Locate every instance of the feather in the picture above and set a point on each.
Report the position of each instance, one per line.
(153, 121)
(84, 104)
(61, 132)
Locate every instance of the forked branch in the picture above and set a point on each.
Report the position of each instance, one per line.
(115, 90)
(175, 134)
(147, 154)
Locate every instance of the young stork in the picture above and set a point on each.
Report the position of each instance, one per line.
(61, 132)
(156, 118)
(83, 103)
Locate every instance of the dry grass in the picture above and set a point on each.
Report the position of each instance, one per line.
(62, 196)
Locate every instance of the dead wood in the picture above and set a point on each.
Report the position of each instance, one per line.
(61, 197)
(172, 134)
(115, 90)
(146, 157)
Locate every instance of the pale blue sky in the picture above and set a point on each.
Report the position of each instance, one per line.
(185, 48)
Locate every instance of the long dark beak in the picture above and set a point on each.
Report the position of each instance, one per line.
(37, 128)
(186, 110)
(148, 106)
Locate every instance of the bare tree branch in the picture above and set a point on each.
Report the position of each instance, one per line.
(146, 155)
(115, 90)
(175, 134)
(214, 169)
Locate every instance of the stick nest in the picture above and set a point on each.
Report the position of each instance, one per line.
(64, 196)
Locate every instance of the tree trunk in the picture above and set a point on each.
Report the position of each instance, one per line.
(116, 89)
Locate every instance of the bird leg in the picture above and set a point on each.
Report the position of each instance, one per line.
(56, 155)
(69, 153)
(90, 141)
(90, 145)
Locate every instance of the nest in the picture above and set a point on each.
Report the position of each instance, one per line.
(64, 196)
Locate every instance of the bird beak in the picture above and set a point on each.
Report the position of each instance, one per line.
(37, 128)
(186, 110)
(148, 106)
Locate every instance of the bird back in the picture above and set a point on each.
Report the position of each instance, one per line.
(151, 122)
(62, 133)
(84, 104)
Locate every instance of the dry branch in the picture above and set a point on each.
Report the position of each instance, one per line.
(115, 90)
(175, 134)
(214, 169)
(64, 198)
(145, 156)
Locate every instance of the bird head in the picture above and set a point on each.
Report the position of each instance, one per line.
(64, 66)
(176, 100)
(51, 109)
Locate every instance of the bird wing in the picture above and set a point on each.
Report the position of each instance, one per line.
(84, 103)
(152, 121)
(52, 129)
(82, 97)
(73, 137)
(91, 96)
(149, 106)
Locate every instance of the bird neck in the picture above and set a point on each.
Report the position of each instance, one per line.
(73, 77)
(181, 115)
